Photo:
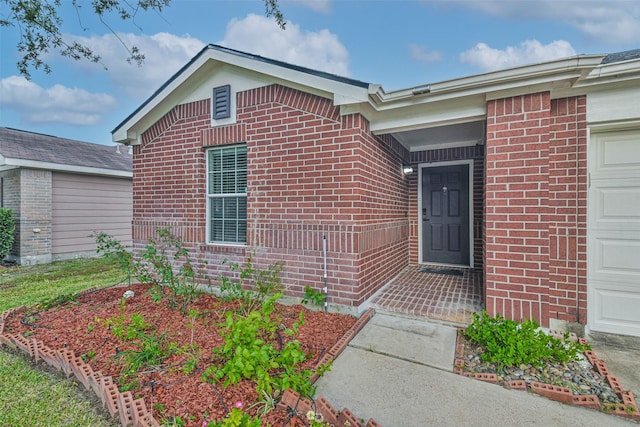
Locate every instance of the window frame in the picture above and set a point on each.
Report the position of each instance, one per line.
(210, 196)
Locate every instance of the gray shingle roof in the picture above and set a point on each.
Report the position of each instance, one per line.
(23, 145)
(621, 56)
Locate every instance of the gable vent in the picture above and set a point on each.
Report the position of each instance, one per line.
(221, 102)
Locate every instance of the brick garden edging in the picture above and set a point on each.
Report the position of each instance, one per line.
(628, 409)
(133, 412)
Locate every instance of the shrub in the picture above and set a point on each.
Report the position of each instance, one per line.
(249, 351)
(509, 343)
(165, 261)
(7, 227)
(254, 285)
(111, 248)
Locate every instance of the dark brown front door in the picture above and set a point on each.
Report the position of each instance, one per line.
(445, 214)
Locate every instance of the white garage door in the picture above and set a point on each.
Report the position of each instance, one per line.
(614, 232)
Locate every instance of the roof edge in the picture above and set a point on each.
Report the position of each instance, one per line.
(583, 64)
(225, 50)
(34, 164)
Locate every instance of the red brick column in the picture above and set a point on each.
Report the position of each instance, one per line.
(568, 204)
(517, 209)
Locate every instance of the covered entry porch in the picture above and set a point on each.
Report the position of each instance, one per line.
(448, 294)
(444, 278)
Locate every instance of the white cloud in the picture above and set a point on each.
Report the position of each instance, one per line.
(57, 104)
(421, 53)
(259, 35)
(613, 21)
(164, 54)
(530, 51)
(321, 6)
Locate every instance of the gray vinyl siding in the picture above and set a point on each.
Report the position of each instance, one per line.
(83, 205)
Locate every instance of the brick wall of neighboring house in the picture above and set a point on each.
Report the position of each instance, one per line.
(27, 192)
(11, 200)
(535, 208)
(475, 153)
(311, 173)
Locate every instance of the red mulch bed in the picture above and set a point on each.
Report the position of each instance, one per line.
(81, 326)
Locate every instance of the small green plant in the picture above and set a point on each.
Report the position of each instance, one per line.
(190, 365)
(509, 343)
(151, 350)
(249, 352)
(174, 421)
(128, 330)
(266, 402)
(236, 418)
(111, 248)
(7, 228)
(316, 297)
(88, 356)
(48, 303)
(166, 262)
(131, 383)
(253, 285)
(316, 420)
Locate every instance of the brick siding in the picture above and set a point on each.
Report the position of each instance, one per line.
(568, 204)
(535, 209)
(311, 173)
(27, 192)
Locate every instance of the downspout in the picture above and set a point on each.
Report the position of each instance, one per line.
(325, 289)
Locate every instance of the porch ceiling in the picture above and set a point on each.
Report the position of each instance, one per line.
(455, 135)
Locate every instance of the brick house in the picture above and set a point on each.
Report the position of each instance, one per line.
(61, 191)
(530, 175)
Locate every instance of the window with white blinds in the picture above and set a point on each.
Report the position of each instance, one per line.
(227, 194)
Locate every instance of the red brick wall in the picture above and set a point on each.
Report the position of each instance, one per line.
(517, 207)
(568, 205)
(312, 173)
(535, 209)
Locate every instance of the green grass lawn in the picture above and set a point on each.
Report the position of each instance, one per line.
(34, 397)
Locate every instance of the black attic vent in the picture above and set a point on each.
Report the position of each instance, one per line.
(221, 102)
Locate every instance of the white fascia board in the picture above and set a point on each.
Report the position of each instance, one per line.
(503, 80)
(446, 112)
(34, 164)
(616, 72)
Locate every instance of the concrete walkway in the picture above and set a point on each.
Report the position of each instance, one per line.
(398, 371)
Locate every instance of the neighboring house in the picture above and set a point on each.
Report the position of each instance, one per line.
(530, 174)
(61, 192)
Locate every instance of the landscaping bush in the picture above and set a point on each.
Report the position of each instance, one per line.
(7, 227)
(509, 343)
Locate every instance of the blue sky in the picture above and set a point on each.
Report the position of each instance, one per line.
(395, 43)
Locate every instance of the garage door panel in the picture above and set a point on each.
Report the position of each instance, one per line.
(617, 206)
(617, 153)
(617, 256)
(614, 232)
(617, 311)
